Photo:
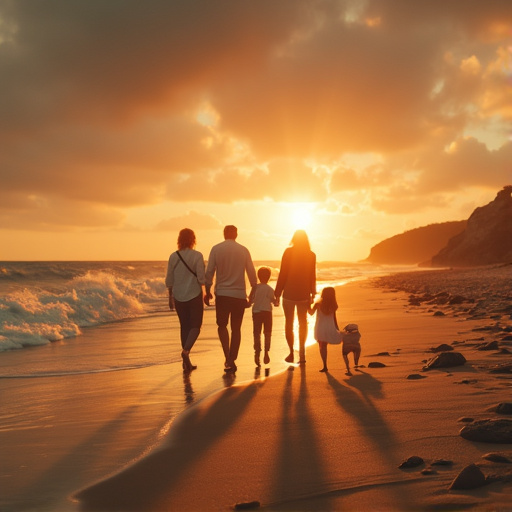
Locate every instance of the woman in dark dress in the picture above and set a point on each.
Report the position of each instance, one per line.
(297, 285)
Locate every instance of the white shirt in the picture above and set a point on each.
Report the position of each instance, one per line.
(263, 298)
(229, 261)
(185, 285)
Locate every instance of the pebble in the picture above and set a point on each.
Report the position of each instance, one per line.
(248, 505)
(497, 457)
(411, 462)
(504, 408)
(470, 477)
(445, 360)
(488, 431)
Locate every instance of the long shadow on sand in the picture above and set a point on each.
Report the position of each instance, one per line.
(131, 489)
(299, 465)
(355, 397)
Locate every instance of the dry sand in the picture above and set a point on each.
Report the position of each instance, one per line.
(305, 440)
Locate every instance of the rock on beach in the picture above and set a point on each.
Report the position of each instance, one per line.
(445, 360)
(470, 477)
(488, 431)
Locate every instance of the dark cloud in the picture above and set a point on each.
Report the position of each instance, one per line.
(99, 102)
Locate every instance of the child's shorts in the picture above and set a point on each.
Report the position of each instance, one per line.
(346, 349)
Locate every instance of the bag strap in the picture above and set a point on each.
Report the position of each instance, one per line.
(185, 263)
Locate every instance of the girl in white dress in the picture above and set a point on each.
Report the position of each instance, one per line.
(326, 325)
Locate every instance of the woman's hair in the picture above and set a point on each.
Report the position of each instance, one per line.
(186, 239)
(327, 302)
(300, 240)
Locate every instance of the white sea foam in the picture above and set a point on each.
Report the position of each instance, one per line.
(35, 316)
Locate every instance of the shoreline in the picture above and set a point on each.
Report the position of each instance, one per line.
(215, 443)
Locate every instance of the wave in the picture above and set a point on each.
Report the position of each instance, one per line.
(43, 302)
(37, 316)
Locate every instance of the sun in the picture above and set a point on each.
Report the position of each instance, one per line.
(301, 217)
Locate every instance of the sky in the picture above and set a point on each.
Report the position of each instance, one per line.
(122, 122)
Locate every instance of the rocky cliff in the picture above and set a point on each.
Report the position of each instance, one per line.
(415, 246)
(487, 238)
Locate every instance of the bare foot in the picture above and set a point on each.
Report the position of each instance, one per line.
(289, 358)
(266, 358)
(323, 370)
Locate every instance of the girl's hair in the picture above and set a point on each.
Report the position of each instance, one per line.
(300, 240)
(327, 302)
(186, 239)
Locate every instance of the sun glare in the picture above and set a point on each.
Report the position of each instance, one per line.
(301, 218)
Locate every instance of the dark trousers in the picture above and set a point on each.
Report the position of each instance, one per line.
(190, 315)
(262, 320)
(230, 309)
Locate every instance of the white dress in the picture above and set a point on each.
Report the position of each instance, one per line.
(325, 328)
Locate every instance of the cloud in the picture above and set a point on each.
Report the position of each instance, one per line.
(190, 218)
(100, 103)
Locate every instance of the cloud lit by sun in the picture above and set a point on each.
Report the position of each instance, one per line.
(283, 116)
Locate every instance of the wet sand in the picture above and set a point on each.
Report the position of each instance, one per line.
(305, 440)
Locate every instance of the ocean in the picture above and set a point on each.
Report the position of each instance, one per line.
(45, 302)
(90, 370)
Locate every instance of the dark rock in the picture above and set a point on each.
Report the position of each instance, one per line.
(376, 364)
(445, 360)
(439, 313)
(466, 419)
(411, 462)
(470, 477)
(428, 471)
(442, 462)
(249, 505)
(497, 457)
(488, 431)
(416, 376)
(457, 299)
(505, 351)
(501, 368)
(442, 348)
(504, 408)
(383, 354)
(491, 345)
(468, 381)
(486, 239)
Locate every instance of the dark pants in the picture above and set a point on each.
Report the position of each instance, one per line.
(190, 314)
(262, 319)
(230, 309)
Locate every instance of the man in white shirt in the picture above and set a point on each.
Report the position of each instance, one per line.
(229, 261)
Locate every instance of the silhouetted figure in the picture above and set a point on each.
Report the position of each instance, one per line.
(351, 343)
(297, 284)
(326, 325)
(229, 261)
(262, 298)
(185, 279)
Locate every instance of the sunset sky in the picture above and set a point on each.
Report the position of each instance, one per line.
(123, 121)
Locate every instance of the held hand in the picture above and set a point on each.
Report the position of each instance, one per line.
(208, 296)
(171, 303)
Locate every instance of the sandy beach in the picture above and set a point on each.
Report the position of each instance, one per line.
(305, 440)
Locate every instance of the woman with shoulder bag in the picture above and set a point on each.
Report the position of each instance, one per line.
(185, 280)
